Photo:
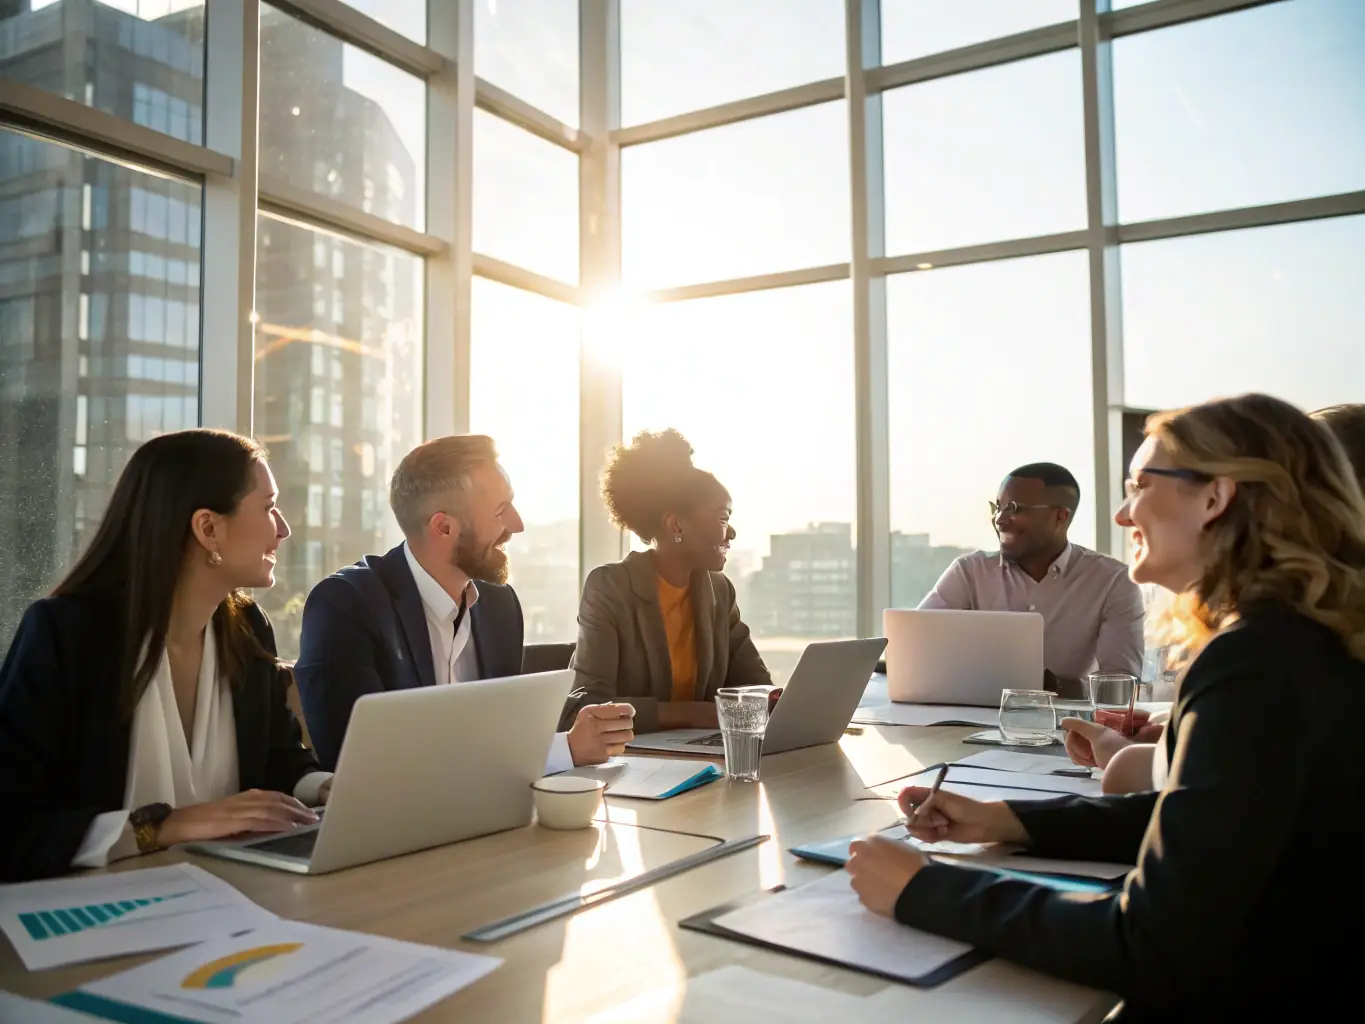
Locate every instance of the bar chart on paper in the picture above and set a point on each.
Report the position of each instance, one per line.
(69, 920)
(48, 924)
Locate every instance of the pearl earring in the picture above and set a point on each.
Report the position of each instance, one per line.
(215, 558)
(677, 538)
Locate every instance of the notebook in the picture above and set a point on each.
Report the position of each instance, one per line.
(649, 778)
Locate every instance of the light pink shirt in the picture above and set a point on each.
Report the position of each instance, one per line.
(1092, 612)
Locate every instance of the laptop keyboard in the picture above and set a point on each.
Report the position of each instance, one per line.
(713, 740)
(297, 844)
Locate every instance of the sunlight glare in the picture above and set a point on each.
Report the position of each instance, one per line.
(607, 320)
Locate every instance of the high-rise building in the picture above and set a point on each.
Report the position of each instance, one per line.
(916, 565)
(99, 281)
(806, 585)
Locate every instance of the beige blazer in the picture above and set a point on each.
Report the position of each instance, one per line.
(622, 652)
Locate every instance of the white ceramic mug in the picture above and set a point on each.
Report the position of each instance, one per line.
(567, 801)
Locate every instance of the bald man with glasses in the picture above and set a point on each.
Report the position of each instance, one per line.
(1092, 612)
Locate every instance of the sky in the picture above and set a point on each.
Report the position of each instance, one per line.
(989, 364)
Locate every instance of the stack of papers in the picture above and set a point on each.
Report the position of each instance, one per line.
(70, 920)
(1033, 764)
(649, 778)
(285, 973)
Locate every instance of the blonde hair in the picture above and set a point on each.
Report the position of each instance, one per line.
(432, 473)
(1294, 530)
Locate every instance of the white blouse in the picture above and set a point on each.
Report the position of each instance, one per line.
(164, 768)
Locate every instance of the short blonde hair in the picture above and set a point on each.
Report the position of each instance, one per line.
(432, 473)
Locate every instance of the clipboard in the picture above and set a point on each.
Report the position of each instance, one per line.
(705, 923)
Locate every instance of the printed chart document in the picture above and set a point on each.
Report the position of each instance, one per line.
(285, 973)
(649, 778)
(826, 919)
(737, 994)
(16, 1008)
(69, 920)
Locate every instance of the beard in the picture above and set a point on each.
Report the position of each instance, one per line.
(481, 562)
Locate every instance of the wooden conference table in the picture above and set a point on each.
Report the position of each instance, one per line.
(627, 953)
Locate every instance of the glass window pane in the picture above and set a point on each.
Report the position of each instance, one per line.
(749, 198)
(79, 393)
(978, 388)
(677, 57)
(143, 62)
(407, 17)
(368, 398)
(1274, 309)
(916, 28)
(985, 156)
(525, 199)
(709, 368)
(341, 122)
(530, 48)
(525, 357)
(1262, 106)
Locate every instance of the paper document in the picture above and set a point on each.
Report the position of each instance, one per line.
(734, 994)
(16, 1008)
(825, 919)
(925, 714)
(1016, 761)
(1042, 865)
(891, 790)
(649, 778)
(996, 992)
(69, 920)
(1056, 784)
(286, 973)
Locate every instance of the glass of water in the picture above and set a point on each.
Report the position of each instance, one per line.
(743, 714)
(1027, 717)
(1112, 694)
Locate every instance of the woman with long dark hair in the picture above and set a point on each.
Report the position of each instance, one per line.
(1242, 895)
(142, 704)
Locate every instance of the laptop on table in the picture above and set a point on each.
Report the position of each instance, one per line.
(961, 657)
(422, 768)
(815, 706)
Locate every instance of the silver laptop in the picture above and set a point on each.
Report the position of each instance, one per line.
(961, 657)
(815, 707)
(421, 768)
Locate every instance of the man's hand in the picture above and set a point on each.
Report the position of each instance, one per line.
(1090, 743)
(881, 869)
(601, 731)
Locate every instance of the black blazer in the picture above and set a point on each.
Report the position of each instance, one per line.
(365, 631)
(1243, 904)
(64, 744)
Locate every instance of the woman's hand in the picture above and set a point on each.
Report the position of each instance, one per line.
(255, 810)
(1091, 744)
(959, 819)
(881, 868)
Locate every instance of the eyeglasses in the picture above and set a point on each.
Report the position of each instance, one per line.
(1131, 487)
(1012, 508)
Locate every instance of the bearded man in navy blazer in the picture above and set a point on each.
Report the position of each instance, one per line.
(436, 609)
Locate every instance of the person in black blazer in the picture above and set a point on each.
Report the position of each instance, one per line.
(141, 705)
(1238, 908)
(436, 609)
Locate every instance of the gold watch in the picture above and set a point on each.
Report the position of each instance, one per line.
(147, 822)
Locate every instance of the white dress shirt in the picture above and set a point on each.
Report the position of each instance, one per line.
(165, 767)
(454, 656)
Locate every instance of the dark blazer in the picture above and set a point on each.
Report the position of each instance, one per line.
(622, 652)
(1243, 903)
(64, 744)
(365, 631)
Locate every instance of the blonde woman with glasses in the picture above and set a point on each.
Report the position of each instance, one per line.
(1248, 510)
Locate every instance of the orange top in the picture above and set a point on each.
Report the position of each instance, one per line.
(681, 630)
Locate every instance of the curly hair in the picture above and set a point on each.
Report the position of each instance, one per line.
(1294, 531)
(652, 476)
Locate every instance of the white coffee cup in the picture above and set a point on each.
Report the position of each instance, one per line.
(567, 801)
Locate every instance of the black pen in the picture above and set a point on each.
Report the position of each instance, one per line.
(938, 781)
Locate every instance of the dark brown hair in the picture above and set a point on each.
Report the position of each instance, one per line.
(649, 478)
(136, 556)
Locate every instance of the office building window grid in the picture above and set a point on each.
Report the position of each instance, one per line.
(865, 280)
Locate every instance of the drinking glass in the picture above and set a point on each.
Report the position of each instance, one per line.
(743, 714)
(1027, 717)
(1112, 694)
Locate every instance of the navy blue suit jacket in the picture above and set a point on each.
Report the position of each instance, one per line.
(365, 631)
